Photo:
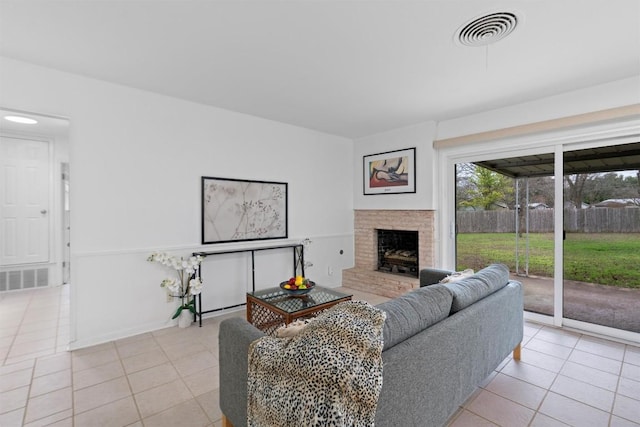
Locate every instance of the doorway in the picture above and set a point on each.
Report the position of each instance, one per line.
(612, 159)
(32, 201)
(34, 157)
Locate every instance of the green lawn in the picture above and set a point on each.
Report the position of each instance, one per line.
(604, 258)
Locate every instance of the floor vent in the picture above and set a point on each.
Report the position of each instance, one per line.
(24, 279)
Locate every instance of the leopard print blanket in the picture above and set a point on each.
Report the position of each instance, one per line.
(328, 375)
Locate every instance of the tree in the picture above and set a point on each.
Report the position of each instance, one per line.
(610, 185)
(487, 189)
(602, 187)
(464, 171)
(541, 190)
(575, 187)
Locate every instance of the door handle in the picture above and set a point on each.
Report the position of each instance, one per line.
(43, 211)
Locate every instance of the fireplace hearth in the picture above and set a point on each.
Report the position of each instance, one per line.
(398, 252)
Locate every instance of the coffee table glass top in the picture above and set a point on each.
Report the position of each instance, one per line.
(290, 304)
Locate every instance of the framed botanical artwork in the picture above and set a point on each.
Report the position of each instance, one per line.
(390, 173)
(235, 210)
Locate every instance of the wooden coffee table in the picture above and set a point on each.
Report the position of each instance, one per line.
(268, 309)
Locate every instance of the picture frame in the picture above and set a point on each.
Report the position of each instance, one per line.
(237, 210)
(391, 172)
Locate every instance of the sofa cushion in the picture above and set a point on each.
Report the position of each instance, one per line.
(412, 312)
(483, 283)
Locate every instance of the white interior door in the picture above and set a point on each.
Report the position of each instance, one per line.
(24, 201)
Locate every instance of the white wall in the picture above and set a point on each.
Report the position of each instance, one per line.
(136, 160)
(602, 97)
(421, 137)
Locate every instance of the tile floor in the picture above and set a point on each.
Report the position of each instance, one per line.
(154, 379)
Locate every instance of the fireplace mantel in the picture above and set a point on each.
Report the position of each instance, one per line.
(363, 275)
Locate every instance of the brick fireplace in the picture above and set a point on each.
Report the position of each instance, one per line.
(364, 275)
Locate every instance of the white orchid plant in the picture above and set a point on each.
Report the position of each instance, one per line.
(186, 286)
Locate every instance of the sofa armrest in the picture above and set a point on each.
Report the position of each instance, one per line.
(234, 338)
(430, 276)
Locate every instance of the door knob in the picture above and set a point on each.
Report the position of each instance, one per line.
(43, 211)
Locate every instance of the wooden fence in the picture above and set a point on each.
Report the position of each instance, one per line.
(592, 220)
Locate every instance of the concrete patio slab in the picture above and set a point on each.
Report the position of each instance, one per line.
(588, 302)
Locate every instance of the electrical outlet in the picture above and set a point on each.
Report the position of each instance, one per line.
(330, 271)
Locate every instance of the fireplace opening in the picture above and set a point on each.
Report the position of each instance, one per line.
(398, 252)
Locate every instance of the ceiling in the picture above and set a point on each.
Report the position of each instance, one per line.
(591, 160)
(47, 126)
(349, 68)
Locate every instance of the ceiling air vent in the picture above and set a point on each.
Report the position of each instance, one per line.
(487, 29)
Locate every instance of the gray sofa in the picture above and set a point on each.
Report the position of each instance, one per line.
(440, 342)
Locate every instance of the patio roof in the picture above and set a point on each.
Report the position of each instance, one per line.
(591, 160)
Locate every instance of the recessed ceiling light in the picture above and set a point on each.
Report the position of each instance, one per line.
(21, 119)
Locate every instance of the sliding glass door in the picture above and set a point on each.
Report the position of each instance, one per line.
(601, 251)
(565, 220)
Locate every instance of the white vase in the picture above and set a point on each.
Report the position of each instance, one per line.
(185, 319)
